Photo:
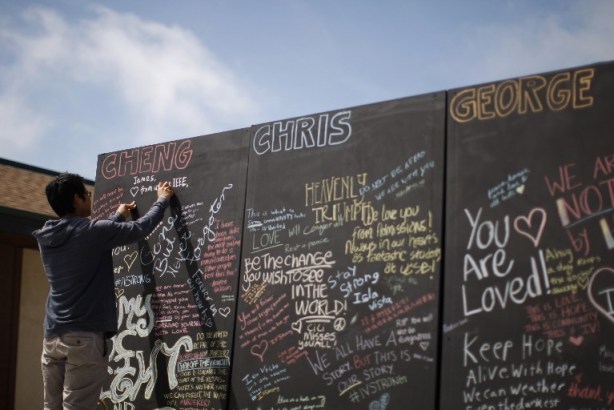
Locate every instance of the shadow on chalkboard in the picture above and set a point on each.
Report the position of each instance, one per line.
(201, 299)
(193, 271)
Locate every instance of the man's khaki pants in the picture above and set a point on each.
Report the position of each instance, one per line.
(74, 367)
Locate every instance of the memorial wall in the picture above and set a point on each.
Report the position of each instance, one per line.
(529, 269)
(176, 290)
(450, 250)
(339, 290)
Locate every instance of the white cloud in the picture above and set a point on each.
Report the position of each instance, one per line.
(21, 127)
(162, 76)
(539, 42)
(107, 75)
(165, 74)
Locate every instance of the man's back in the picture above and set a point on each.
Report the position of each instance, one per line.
(80, 312)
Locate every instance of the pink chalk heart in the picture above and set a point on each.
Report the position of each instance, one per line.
(532, 225)
(260, 349)
(601, 292)
(576, 340)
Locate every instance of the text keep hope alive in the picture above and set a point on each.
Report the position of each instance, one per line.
(489, 239)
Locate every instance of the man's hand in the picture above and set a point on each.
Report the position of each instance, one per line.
(165, 190)
(125, 209)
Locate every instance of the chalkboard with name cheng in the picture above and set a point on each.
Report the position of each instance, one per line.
(529, 269)
(176, 290)
(339, 290)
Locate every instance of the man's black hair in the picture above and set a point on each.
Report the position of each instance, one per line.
(61, 191)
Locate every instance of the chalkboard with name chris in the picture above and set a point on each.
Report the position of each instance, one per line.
(529, 270)
(176, 290)
(339, 290)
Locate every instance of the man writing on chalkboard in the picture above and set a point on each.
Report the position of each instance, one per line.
(80, 312)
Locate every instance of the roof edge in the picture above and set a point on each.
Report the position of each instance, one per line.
(38, 170)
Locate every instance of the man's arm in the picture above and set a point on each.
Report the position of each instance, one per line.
(123, 212)
(117, 232)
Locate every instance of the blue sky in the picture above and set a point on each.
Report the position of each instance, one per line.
(80, 78)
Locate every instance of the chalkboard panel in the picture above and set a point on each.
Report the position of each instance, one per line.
(339, 289)
(529, 269)
(176, 290)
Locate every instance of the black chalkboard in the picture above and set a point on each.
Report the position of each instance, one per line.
(529, 270)
(339, 291)
(176, 290)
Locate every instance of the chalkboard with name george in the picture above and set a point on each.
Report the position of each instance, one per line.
(339, 290)
(529, 270)
(176, 290)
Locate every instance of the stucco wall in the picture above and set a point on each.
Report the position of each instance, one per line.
(34, 288)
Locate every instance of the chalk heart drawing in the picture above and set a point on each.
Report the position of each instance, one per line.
(134, 190)
(603, 274)
(130, 258)
(260, 349)
(424, 345)
(380, 404)
(119, 292)
(224, 311)
(296, 326)
(532, 225)
(576, 340)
